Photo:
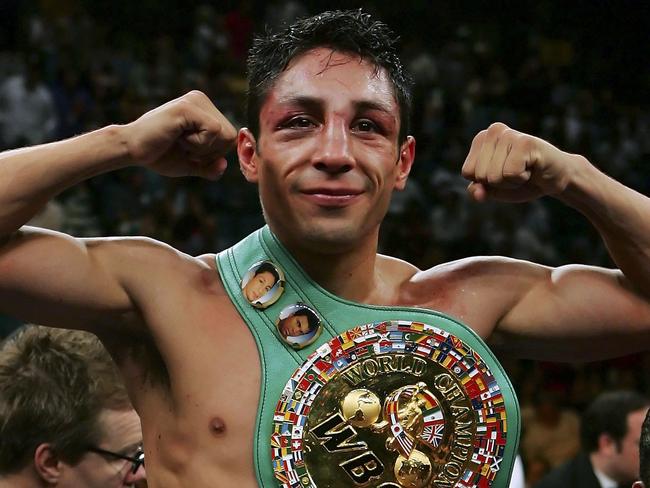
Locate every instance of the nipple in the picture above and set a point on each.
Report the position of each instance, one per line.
(217, 426)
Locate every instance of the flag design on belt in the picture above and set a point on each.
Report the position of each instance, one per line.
(434, 421)
(471, 373)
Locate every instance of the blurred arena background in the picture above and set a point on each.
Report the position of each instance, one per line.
(575, 73)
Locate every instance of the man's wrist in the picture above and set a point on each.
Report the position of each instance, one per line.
(582, 182)
(116, 136)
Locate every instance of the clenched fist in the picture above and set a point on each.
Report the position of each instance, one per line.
(187, 136)
(511, 166)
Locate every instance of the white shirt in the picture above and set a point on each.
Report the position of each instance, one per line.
(604, 480)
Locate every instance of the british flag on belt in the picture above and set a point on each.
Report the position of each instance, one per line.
(432, 434)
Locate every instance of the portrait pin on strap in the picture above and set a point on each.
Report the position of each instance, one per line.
(298, 325)
(263, 284)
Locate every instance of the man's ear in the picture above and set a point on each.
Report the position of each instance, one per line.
(607, 444)
(405, 162)
(638, 484)
(47, 463)
(247, 153)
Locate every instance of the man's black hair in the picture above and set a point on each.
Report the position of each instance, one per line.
(312, 320)
(269, 268)
(347, 31)
(607, 414)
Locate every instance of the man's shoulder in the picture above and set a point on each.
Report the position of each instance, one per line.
(458, 267)
(209, 259)
(476, 290)
(140, 261)
(477, 267)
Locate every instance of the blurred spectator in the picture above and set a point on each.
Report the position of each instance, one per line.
(65, 418)
(27, 114)
(610, 432)
(282, 13)
(550, 430)
(52, 216)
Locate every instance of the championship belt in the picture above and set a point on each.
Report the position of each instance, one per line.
(370, 396)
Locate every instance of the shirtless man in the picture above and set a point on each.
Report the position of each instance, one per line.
(327, 145)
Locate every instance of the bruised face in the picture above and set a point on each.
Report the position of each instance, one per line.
(327, 156)
(259, 285)
(294, 325)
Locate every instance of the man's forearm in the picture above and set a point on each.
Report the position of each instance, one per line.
(31, 176)
(622, 217)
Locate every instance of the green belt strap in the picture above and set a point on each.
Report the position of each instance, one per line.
(279, 361)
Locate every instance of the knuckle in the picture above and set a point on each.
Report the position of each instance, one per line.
(478, 138)
(494, 178)
(513, 174)
(480, 176)
(195, 95)
(510, 134)
(496, 128)
(528, 143)
(231, 132)
(466, 172)
(182, 105)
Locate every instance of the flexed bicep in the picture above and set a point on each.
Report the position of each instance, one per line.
(54, 279)
(577, 313)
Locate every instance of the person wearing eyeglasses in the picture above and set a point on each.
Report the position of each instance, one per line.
(65, 417)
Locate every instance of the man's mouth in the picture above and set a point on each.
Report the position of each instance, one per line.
(332, 197)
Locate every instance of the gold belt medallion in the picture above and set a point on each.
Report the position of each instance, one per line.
(391, 404)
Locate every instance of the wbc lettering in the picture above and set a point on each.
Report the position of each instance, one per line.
(336, 435)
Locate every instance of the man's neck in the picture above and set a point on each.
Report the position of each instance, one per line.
(349, 273)
(600, 465)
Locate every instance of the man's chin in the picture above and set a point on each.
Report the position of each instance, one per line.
(331, 237)
(331, 234)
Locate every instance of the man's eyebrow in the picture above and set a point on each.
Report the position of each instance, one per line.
(302, 100)
(362, 105)
(318, 103)
(130, 449)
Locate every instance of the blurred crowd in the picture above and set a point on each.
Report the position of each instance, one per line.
(574, 77)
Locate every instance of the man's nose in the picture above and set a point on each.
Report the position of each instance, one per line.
(137, 479)
(334, 151)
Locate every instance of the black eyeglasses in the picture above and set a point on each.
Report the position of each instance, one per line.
(136, 460)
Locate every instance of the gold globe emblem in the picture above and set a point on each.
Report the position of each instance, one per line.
(361, 407)
(413, 472)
